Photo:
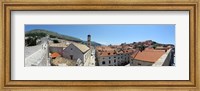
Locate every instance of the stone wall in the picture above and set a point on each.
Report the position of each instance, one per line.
(165, 59)
(56, 49)
(135, 62)
(37, 57)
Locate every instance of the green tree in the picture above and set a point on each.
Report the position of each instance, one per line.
(38, 35)
(154, 46)
(153, 43)
(55, 41)
(141, 47)
(31, 41)
(52, 36)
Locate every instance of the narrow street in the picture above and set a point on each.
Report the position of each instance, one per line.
(91, 60)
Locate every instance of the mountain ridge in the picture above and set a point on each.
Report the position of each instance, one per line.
(60, 36)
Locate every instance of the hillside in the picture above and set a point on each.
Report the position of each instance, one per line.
(41, 32)
(60, 36)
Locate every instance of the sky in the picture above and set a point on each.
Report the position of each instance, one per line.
(114, 33)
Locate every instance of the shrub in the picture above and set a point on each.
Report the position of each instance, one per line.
(52, 36)
(30, 41)
(55, 41)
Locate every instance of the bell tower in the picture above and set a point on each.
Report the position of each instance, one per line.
(89, 41)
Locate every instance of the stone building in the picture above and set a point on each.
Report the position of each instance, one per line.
(109, 56)
(57, 47)
(77, 51)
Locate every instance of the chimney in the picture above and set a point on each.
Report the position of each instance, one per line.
(89, 41)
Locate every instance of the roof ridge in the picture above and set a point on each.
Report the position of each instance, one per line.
(76, 45)
(136, 54)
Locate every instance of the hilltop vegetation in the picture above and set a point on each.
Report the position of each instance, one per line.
(51, 34)
(39, 33)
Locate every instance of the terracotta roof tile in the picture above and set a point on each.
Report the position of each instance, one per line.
(55, 54)
(148, 55)
(128, 51)
(107, 53)
(113, 50)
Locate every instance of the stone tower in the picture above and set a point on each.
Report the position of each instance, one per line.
(89, 41)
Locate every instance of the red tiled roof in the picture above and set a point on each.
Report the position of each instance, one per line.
(113, 50)
(148, 55)
(128, 51)
(102, 48)
(107, 53)
(55, 54)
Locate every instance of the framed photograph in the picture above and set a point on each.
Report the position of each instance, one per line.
(100, 44)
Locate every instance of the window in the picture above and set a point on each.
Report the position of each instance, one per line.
(118, 57)
(114, 61)
(103, 62)
(108, 53)
(109, 62)
(114, 57)
(109, 57)
(71, 48)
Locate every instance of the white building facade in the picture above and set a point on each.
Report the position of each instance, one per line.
(117, 59)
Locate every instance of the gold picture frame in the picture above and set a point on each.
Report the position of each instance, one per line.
(99, 5)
